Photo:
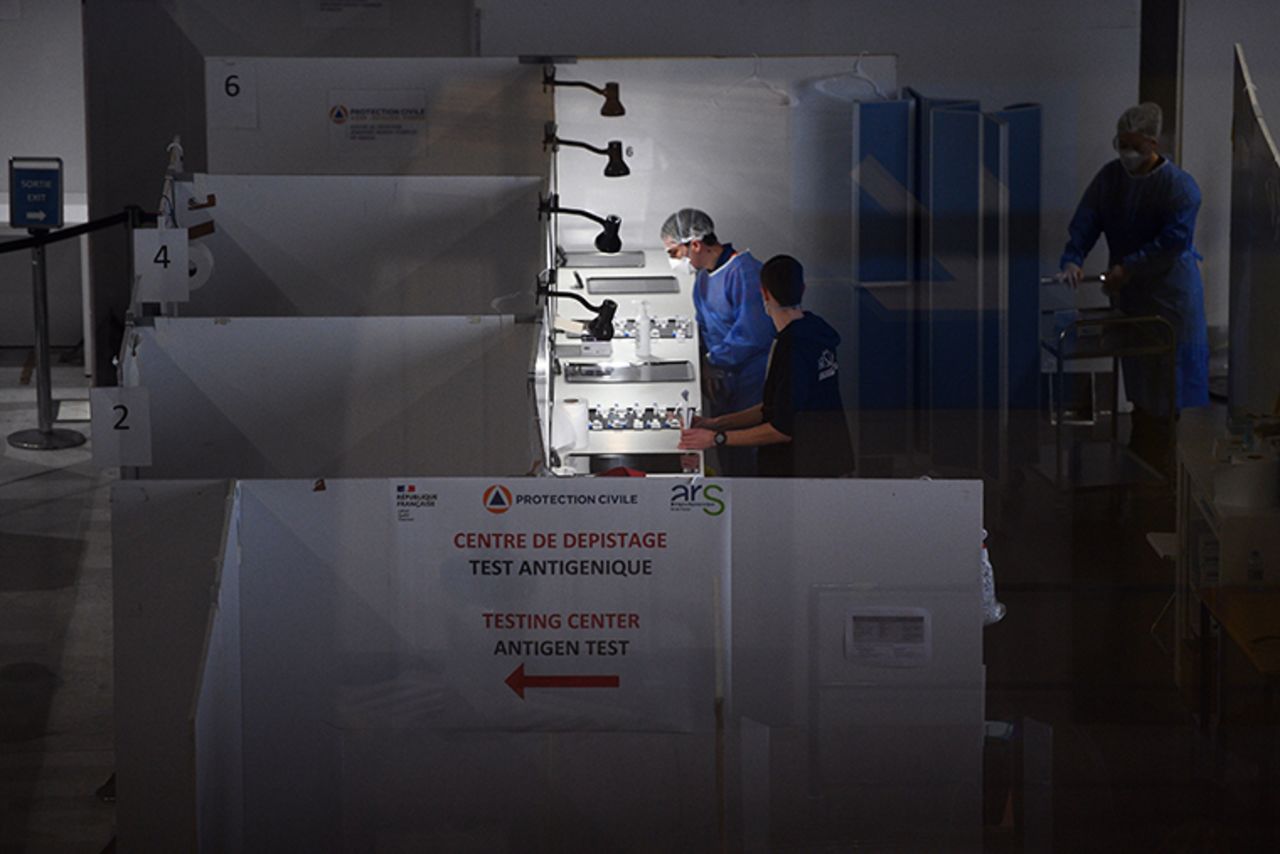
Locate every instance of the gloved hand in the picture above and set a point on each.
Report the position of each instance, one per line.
(1071, 274)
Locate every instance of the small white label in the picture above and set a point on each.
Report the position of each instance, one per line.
(231, 93)
(378, 122)
(121, 426)
(411, 499)
(161, 264)
(889, 637)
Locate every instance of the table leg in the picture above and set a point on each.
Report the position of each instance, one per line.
(1205, 666)
(1062, 409)
(1115, 399)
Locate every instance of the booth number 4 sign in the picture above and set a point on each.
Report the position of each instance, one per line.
(121, 427)
(160, 264)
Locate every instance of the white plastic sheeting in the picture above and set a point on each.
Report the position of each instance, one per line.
(337, 246)
(335, 397)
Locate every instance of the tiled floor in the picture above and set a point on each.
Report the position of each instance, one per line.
(55, 632)
(1076, 659)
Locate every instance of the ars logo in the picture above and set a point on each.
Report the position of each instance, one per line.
(497, 499)
(707, 498)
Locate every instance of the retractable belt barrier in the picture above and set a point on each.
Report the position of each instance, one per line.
(45, 437)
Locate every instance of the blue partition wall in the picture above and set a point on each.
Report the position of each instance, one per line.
(947, 241)
(953, 251)
(1022, 185)
(884, 237)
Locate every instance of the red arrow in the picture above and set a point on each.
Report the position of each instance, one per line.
(518, 681)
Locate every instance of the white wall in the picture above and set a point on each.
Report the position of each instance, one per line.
(691, 122)
(42, 104)
(43, 96)
(1080, 60)
(1212, 29)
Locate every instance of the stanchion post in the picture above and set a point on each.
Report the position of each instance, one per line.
(45, 437)
(40, 301)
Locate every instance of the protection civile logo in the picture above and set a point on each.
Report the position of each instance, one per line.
(497, 499)
(338, 114)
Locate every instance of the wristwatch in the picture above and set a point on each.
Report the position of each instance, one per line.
(721, 438)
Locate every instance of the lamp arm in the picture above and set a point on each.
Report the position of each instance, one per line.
(551, 292)
(549, 79)
(599, 90)
(573, 143)
(555, 209)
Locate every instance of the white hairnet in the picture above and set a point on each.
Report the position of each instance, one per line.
(1145, 119)
(686, 225)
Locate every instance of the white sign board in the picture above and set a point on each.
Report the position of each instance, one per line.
(161, 265)
(231, 93)
(121, 426)
(571, 603)
(524, 604)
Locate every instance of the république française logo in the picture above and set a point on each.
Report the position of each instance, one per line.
(497, 499)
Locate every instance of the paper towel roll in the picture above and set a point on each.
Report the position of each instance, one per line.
(575, 410)
(569, 426)
(200, 264)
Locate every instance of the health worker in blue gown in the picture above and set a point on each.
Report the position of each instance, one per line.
(735, 331)
(1146, 208)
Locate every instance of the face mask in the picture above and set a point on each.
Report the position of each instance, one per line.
(1132, 160)
(681, 265)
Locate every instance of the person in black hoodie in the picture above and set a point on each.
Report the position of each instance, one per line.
(800, 425)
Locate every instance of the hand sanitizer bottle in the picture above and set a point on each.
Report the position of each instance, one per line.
(644, 341)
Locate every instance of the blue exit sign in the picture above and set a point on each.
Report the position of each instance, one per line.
(35, 192)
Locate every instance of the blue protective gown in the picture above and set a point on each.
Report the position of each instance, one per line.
(736, 332)
(1149, 222)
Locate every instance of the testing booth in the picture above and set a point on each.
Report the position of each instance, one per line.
(347, 617)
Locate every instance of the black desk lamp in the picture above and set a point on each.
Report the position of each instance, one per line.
(606, 241)
(601, 326)
(615, 168)
(612, 106)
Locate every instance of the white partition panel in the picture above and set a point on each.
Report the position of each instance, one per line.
(380, 642)
(325, 27)
(330, 116)
(410, 686)
(166, 539)
(335, 397)
(857, 638)
(218, 723)
(337, 246)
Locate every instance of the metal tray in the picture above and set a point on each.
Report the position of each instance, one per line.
(648, 372)
(633, 285)
(600, 259)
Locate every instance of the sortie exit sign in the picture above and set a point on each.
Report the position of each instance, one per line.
(35, 192)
